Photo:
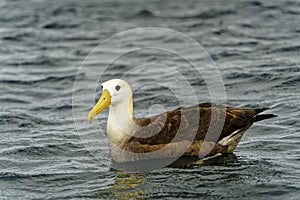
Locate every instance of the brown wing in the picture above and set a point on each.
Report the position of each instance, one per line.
(192, 123)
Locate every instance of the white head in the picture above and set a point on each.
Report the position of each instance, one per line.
(117, 94)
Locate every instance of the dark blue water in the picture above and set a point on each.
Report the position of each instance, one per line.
(255, 45)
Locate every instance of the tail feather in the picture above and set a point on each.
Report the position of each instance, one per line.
(259, 110)
(263, 117)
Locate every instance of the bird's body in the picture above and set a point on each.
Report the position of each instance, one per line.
(202, 130)
(169, 124)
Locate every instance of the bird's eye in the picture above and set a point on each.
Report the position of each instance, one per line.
(101, 86)
(117, 87)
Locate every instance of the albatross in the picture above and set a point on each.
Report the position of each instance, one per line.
(188, 131)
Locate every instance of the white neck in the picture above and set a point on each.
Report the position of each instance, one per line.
(120, 121)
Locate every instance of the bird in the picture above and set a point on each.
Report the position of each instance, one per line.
(204, 130)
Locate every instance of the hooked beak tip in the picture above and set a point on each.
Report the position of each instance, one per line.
(91, 116)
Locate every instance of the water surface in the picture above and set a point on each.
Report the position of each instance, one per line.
(255, 45)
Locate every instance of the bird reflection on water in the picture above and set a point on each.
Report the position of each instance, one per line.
(130, 185)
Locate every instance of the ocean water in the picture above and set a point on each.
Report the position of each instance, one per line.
(48, 151)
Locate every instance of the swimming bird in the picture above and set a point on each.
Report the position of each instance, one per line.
(206, 129)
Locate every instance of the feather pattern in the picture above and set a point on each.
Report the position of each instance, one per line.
(192, 124)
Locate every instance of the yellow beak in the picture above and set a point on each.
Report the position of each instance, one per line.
(104, 101)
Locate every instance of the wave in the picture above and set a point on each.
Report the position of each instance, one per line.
(13, 36)
(208, 14)
(289, 48)
(26, 120)
(12, 176)
(144, 13)
(62, 11)
(13, 100)
(49, 79)
(42, 61)
(292, 81)
(61, 149)
(59, 25)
